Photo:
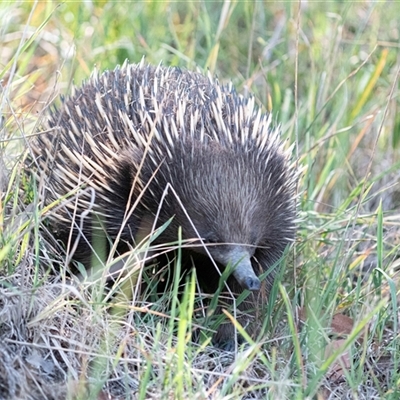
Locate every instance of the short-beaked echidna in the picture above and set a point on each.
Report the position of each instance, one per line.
(129, 134)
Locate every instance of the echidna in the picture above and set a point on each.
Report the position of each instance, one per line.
(128, 135)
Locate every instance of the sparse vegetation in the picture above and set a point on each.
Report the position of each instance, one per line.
(329, 73)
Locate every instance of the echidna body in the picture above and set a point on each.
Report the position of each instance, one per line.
(129, 135)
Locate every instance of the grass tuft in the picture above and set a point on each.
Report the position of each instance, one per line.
(328, 72)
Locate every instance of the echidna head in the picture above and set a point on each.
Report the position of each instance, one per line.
(238, 200)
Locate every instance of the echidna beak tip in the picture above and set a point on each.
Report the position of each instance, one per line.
(251, 283)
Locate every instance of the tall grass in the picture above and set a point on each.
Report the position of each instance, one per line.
(328, 72)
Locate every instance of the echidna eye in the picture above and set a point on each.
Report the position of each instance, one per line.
(210, 240)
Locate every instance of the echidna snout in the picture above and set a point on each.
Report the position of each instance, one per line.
(239, 260)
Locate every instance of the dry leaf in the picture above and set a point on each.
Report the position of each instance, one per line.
(341, 364)
(342, 324)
